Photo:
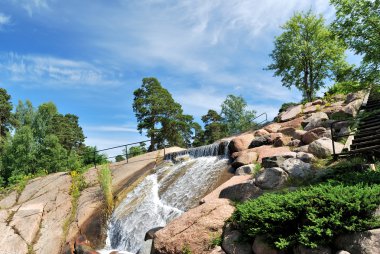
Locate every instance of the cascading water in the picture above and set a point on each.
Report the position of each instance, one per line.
(163, 196)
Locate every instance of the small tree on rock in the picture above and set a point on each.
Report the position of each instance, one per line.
(307, 53)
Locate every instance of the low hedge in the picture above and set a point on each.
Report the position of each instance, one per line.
(310, 216)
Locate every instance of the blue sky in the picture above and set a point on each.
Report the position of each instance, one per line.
(89, 56)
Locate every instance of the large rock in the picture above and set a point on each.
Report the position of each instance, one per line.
(295, 123)
(322, 148)
(367, 242)
(194, 228)
(242, 191)
(315, 120)
(267, 151)
(354, 96)
(259, 141)
(230, 194)
(295, 143)
(290, 113)
(281, 141)
(260, 133)
(272, 128)
(315, 134)
(319, 250)
(288, 131)
(352, 108)
(305, 157)
(10, 242)
(304, 149)
(271, 178)
(244, 158)
(261, 247)
(8, 201)
(296, 168)
(217, 250)
(246, 169)
(151, 232)
(232, 243)
(240, 143)
(276, 161)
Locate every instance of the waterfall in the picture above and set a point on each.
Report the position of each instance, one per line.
(216, 149)
(163, 196)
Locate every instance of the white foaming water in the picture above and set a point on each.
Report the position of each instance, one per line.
(160, 198)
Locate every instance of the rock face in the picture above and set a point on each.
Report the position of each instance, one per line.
(242, 191)
(367, 242)
(259, 141)
(194, 229)
(318, 250)
(244, 158)
(290, 113)
(261, 247)
(245, 170)
(277, 161)
(232, 243)
(240, 143)
(322, 148)
(274, 127)
(271, 178)
(315, 120)
(296, 168)
(267, 151)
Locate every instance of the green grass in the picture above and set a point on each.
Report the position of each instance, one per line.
(105, 181)
(215, 240)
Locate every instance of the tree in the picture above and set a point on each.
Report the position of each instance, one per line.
(19, 154)
(24, 114)
(119, 158)
(67, 129)
(215, 127)
(236, 117)
(43, 120)
(136, 150)
(52, 157)
(358, 24)
(307, 53)
(160, 116)
(5, 113)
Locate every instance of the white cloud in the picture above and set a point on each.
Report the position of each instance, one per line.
(52, 71)
(4, 20)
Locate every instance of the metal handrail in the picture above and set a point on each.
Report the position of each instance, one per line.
(266, 118)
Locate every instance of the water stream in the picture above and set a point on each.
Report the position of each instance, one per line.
(163, 196)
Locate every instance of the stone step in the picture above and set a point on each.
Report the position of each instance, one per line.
(375, 148)
(368, 129)
(358, 140)
(361, 134)
(371, 142)
(369, 124)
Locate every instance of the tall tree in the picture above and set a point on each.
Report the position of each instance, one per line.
(236, 115)
(5, 113)
(307, 53)
(160, 116)
(358, 24)
(215, 127)
(25, 113)
(43, 120)
(67, 129)
(52, 157)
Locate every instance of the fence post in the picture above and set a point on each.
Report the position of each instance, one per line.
(95, 158)
(126, 152)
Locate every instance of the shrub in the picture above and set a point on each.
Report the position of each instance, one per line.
(216, 240)
(105, 180)
(309, 216)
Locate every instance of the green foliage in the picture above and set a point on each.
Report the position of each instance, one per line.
(136, 150)
(89, 153)
(358, 24)
(6, 118)
(52, 157)
(155, 109)
(309, 216)
(119, 158)
(235, 114)
(186, 249)
(215, 127)
(307, 53)
(105, 181)
(216, 240)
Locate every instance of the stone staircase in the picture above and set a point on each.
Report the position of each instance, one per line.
(367, 137)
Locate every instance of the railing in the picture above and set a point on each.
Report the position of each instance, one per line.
(127, 155)
(264, 121)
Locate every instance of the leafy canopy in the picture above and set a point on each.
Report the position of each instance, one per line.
(236, 115)
(307, 53)
(358, 24)
(160, 116)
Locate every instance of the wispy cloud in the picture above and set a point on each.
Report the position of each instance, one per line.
(52, 71)
(110, 128)
(4, 20)
(33, 5)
